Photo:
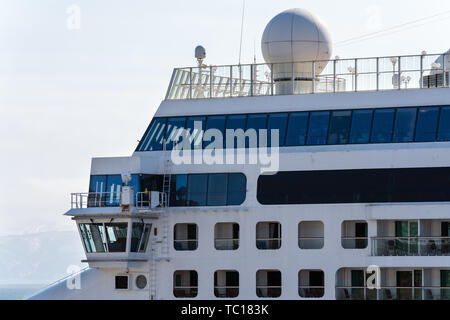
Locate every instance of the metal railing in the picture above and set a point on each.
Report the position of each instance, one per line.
(268, 243)
(354, 242)
(342, 75)
(226, 291)
(268, 291)
(393, 293)
(410, 246)
(311, 291)
(144, 200)
(311, 242)
(185, 244)
(226, 244)
(95, 199)
(185, 291)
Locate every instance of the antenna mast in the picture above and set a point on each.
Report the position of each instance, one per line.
(242, 30)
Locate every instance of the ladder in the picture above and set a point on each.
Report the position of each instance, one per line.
(164, 218)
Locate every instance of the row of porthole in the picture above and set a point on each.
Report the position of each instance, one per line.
(268, 236)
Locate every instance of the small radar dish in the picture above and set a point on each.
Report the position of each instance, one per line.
(200, 55)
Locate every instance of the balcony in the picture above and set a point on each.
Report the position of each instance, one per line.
(393, 293)
(410, 246)
(393, 284)
(340, 75)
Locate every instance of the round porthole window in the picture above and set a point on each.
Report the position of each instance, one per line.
(141, 281)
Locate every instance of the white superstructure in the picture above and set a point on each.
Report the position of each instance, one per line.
(362, 163)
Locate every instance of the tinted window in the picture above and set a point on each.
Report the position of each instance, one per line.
(179, 190)
(116, 235)
(355, 186)
(297, 127)
(97, 184)
(197, 188)
(195, 127)
(256, 122)
(113, 190)
(339, 127)
(175, 127)
(318, 128)
(235, 122)
(361, 126)
(444, 124)
(383, 121)
(427, 120)
(278, 122)
(217, 189)
(154, 136)
(237, 188)
(405, 122)
(218, 123)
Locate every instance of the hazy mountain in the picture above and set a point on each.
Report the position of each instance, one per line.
(38, 258)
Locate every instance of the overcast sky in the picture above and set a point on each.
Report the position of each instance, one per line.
(67, 95)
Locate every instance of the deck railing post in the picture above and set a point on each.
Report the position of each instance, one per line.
(210, 81)
(334, 76)
(190, 83)
(271, 80)
(378, 74)
(421, 71)
(399, 80)
(252, 79)
(356, 75)
(313, 77)
(231, 81)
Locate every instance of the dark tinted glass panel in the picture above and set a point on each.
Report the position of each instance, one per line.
(361, 126)
(235, 122)
(297, 127)
(197, 188)
(444, 125)
(179, 191)
(237, 188)
(256, 122)
(356, 186)
(136, 236)
(383, 121)
(195, 127)
(405, 122)
(175, 127)
(278, 122)
(339, 127)
(218, 123)
(217, 189)
(427, 120)
(318, 128)
(155, 135)
(116, 234)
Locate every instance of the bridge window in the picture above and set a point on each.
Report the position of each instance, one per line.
(116, 234)
(277, 121)
(235, 122)
(383, 121)
(339, 127)
(405, 122)
(444, 125)
(175, 127)
(297, 128)
(218, 123)
(196, 132)
(361, 126)
(139, 237)
(427, 120)
(94, 237)
(318, 128)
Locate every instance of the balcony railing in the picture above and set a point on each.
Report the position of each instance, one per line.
(354, 242)
(310, 242)
(185, 244)
(226, 244)
(268, 243)
(410, 246)
(95, 199)
(268, 291)
(393, 293)
(311, 291)
(342, 75)
(226, 291)
(185, 292)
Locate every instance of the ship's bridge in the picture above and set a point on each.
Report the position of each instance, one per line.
(320, 76)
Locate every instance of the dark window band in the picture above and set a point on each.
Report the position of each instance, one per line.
(355, 186)
(339, 127)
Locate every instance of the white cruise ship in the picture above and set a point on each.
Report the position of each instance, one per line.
(306, 177)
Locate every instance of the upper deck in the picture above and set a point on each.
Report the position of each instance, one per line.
(340, 75)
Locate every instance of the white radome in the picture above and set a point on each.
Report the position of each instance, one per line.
(297, 35)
